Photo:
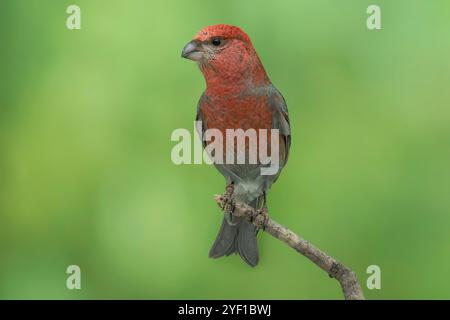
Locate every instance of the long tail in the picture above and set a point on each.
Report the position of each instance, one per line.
(238, 238)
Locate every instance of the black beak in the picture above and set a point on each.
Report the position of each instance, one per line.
(193, 51)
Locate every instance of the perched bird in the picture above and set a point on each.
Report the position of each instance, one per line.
(238, 95)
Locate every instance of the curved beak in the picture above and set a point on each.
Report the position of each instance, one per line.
(193, 50)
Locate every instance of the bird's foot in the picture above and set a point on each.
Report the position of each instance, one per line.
(261, 218)
(229, 189)
(229, 203)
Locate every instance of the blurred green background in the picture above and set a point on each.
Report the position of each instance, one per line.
(85, 170)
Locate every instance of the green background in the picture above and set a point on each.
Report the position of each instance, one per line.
(86, 176)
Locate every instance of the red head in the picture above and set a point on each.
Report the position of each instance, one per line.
(226, 57)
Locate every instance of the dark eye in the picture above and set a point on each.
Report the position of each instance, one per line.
(216, 42)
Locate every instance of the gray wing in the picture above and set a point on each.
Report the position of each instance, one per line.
(280, 120)
(201, 127)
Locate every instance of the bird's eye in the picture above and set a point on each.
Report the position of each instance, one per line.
(216, 42)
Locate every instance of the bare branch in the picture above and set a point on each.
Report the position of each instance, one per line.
(346, 277)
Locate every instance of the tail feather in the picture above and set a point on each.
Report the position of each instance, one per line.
(225, 241)
(239, 238)
(247, 246)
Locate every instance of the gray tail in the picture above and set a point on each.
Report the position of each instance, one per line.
(239, 238)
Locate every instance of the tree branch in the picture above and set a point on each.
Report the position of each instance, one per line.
(346, 277)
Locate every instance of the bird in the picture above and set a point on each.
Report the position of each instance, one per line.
(238, 95)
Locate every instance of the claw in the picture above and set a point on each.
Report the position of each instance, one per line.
(230, 189)
(261, 218)
(228, 204)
